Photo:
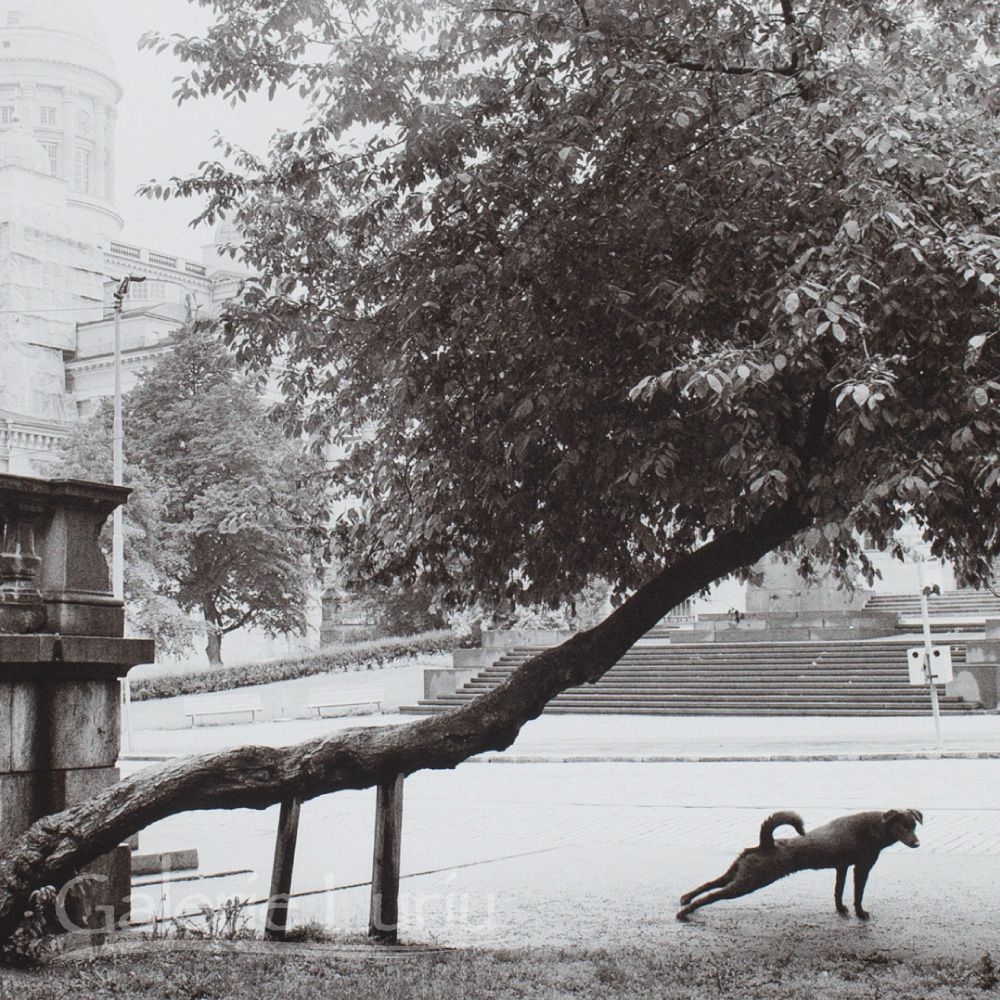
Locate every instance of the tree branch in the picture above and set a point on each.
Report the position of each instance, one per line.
(254, 777)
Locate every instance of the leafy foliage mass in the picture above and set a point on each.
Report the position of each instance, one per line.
(348, 656)
(244, 504)
(580, 283)
(227, 514)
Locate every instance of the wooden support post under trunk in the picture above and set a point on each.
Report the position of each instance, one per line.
(281, 874)
(384, 915)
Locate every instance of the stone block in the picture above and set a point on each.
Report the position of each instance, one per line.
(977, 683)
(28, 795)
(85, 783)
(509, 638)
(17, 804)
(466, 659)
(22, 650)
(846, 633)
(781, 587)
(6, 727)
(110, 650)
(77, 616)
(65, 725)
(695, 635)
(993, 628)
(439, 681)
(168, 861)
(28, 729)
(72, 560)
(982, 651)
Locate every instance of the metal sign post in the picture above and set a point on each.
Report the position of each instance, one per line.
(928, 654)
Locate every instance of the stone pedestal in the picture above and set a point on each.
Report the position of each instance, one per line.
(979, 679)
(61, 656)
(779, 588)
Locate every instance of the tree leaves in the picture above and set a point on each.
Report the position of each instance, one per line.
(695, 255)
(244, 509)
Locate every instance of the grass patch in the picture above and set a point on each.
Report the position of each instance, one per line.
(331, 659)
(360, 973)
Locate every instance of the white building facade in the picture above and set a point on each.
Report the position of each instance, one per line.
(61, 255)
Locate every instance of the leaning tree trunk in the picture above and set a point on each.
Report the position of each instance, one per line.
(56, 846)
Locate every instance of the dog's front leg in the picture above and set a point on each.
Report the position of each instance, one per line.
(860, 879)
(838, 890)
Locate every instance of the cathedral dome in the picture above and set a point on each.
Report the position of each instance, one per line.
(20, 149)
(68, 30)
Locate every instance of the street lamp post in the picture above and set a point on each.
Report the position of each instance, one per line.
(117, 541)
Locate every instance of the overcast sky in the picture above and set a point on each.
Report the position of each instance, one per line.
(156, 138)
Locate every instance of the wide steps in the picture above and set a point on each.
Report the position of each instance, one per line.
(979, 603)
(815, 678)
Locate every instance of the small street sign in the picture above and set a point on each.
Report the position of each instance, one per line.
(941, 669)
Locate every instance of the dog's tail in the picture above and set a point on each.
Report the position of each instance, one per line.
(777, 819)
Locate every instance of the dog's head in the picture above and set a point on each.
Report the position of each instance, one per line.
(901, 824)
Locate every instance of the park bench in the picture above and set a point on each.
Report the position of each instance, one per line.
(346, 697)
(238, 703)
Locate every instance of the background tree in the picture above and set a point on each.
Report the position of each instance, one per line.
(243, 505)
(640, 290)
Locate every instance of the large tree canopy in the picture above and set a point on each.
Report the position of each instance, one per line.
(602, 280)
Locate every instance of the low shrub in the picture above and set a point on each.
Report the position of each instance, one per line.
(32, 940)
(331, 659)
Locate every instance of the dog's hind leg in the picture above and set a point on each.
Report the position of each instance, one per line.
(739, 887)
(714, 884)
(838, 891)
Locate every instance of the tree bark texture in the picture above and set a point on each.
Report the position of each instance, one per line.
(255, 777)
(213, 647)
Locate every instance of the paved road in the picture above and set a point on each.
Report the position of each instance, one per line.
(590, 853)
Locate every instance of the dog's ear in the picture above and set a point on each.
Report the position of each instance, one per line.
(911, 816)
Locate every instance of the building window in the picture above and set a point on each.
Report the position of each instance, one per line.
(13, 17)
(6, 114)
(46, 115)
(52, 148)
(81, 173)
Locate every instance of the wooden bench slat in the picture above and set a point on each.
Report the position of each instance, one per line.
(346, 697)
(233, 704)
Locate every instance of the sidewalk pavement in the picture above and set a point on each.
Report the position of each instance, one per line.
(596, 854)
(581, 738)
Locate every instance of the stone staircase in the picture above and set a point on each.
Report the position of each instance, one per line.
(951, 607)
(867, 678)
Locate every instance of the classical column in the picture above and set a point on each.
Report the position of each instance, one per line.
(100, 130)
(111, 117)
(27, 107)
(69, 109)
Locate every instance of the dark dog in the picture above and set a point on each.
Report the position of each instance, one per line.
(850, 840)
